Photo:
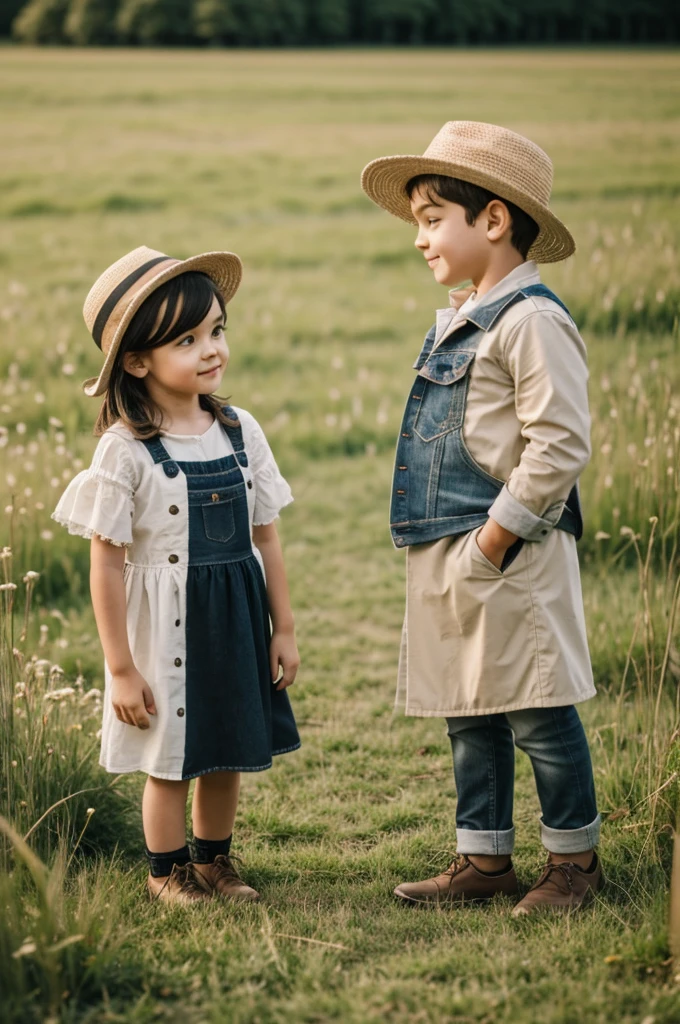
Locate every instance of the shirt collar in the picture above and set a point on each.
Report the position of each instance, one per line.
(448, 319)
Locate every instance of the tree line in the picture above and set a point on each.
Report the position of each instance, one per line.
(336, 22)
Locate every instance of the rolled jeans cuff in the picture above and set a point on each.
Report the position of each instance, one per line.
(490, 844)
(571, 840)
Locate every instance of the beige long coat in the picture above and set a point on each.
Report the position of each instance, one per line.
(475, 640)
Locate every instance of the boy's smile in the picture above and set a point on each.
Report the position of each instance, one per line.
(455, 250)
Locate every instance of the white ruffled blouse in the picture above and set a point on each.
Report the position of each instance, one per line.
(101, 500)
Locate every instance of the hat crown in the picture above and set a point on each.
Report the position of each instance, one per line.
(107, 282)
(491, 150)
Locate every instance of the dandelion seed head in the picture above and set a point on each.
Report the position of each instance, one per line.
(21, 428)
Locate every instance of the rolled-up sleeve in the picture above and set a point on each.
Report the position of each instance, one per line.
(546, 358)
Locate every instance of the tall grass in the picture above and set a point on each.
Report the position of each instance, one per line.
(50, 780)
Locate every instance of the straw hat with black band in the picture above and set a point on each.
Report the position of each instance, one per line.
(118, 293)
(511, 166)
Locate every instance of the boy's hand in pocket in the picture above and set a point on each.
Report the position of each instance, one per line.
(493, 541)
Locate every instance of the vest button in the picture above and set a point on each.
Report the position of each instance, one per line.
(180, 712)
(173, 558)
(177, 622)
(178, 662)
(250, 485)
(173, 510)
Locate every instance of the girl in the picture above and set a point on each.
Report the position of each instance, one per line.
(180, 503)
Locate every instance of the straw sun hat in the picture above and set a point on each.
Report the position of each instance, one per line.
(499, 160)
(118, 293)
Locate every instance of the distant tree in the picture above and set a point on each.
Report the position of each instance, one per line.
(41, 21)
(8, 12)
(215, 21)
(92, 22)
(270, 22)
(328, 21)
(150, 22)
(399, 21)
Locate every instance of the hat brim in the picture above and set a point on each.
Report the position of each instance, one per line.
(384, 181)
(224, 268)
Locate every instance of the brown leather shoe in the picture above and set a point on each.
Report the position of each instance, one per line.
(460, 882)
(564, 886)
(183, 885)
(223, 877)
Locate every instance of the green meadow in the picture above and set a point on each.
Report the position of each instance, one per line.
(261, 153)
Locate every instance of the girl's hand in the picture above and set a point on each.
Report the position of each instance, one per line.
(283, 652)
(132, 698)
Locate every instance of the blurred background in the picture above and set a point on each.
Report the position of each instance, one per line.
(259, 150)
(321, 22)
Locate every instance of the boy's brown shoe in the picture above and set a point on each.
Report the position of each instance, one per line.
(224, 878)
(460, 882)
(183, 885)
(564, 886)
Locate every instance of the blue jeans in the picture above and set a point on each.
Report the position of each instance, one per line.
(484, 768)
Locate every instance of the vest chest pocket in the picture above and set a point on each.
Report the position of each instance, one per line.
(218, 520)
(442, 394)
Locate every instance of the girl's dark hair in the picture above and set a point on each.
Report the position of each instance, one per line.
(127, 400)
(474, 198)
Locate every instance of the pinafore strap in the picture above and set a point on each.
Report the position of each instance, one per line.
(160, 454)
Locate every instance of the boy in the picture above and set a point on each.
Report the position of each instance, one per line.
(485, 498)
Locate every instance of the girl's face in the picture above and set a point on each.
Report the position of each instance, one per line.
(190, 364)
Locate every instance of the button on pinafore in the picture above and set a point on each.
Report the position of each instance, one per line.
(235, 719)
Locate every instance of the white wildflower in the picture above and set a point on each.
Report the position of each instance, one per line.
(61, 694)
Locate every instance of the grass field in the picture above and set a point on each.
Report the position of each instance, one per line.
(261, 153)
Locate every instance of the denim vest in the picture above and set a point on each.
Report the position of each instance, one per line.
(438, 489)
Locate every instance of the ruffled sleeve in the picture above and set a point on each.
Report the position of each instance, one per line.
(100, 500)
(272, 492)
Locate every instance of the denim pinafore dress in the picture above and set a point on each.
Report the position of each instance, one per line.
(234, 719)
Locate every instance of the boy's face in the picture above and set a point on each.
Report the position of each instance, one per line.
(455, 250)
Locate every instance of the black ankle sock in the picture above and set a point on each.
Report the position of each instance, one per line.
(494, 874)
(160, 864)
(205, 850)
(593, 864)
